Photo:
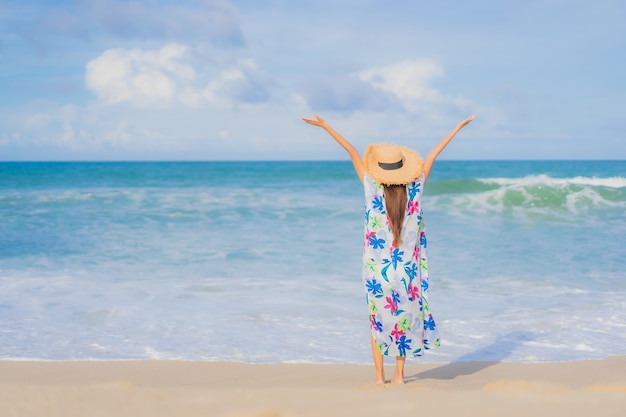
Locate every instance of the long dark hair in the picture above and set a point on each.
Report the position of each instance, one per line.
(395, 203)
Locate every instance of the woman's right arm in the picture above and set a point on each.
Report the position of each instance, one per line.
(357, 161)
(434, 153)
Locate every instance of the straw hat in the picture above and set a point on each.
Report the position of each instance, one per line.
(392, 164)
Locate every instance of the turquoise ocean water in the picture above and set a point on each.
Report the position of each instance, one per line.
(260, 261)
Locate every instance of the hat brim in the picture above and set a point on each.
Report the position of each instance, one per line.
(412, 166)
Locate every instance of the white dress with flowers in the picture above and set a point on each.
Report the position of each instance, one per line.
(396, 278)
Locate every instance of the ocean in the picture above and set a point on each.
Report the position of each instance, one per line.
(260, 262)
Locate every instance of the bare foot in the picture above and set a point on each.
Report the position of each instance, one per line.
(398, 375)
(380, 378)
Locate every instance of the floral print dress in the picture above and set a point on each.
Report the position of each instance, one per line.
(396, 277)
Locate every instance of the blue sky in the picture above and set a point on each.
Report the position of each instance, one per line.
(219, 79)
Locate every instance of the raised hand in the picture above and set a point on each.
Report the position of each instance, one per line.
(466, 121)
(316, 121)
(434, 153)
(352, 151)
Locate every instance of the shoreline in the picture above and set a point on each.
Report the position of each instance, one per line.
(230, 389)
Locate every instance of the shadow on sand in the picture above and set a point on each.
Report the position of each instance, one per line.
(478, 360)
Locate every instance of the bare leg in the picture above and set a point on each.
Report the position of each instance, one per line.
(378, 362)
(398, 377)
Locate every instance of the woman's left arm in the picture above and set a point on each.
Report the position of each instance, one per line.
(357, 161)
(434, 153)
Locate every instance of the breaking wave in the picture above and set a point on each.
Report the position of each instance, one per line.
(534, 194)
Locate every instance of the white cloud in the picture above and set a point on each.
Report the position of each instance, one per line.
(408, 80)
(243, 84)
(143, 78)
(168, 76)
(401, 87)
(346, 94)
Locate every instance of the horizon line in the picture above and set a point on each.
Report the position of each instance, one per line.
(293, 160)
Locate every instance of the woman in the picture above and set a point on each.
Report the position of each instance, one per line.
(395, 266)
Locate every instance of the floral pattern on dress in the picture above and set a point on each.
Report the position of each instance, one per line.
(396, 277)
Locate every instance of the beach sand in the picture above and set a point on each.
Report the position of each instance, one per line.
(224, 389)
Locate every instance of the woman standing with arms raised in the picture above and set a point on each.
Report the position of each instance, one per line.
(395, 264)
